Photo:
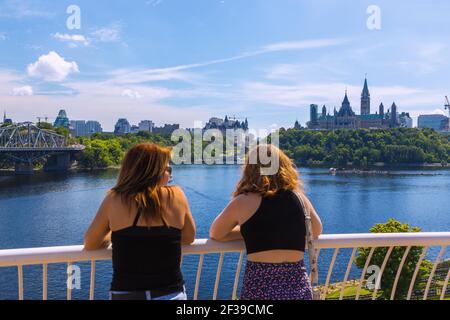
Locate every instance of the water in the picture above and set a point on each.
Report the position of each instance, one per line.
(56, 209)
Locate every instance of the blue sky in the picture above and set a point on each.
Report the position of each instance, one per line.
(180, 61)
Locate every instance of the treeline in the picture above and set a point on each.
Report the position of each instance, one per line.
(107, 150)
(359, 148)
(363, 148)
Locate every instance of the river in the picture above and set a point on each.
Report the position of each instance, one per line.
(55, 210)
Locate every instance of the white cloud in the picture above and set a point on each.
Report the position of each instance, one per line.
(129, 76)
(332, 94)
(303, 44)
(108, 34)
(73, 39)
(429, 57)
(23, 91)
(52, 67)
(131, 94)
(153, 3)
(21, 9)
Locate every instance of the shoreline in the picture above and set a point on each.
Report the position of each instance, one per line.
(375, 169)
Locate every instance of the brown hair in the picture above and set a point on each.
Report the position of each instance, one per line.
(254, 181)
(140, 176)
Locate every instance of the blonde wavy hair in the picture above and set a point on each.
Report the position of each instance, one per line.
(254, 181)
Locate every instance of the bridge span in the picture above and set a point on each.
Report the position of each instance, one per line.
(26, 144)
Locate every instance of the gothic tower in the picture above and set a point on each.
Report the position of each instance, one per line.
(382, 109)
(324, 112)
(314, 114)
(394, 119)
(365, 99)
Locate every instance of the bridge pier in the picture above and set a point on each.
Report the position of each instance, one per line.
(24, 168)
(58, 162)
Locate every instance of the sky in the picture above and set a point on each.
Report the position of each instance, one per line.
(185, 61)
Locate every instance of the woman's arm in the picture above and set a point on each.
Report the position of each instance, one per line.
(226, 226)
(98, 236)
(189, 229)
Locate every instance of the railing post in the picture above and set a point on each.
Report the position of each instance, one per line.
(433, 271)
(416, 272)
(92, 281)
(20, 281)
(399, 272)
(199, 273)
(347, 273)
(219, 269)
(69, 285)
(444, 287)
(363, 273)
(237, 276)
(44, 281)
(330, 272)
(383, 266)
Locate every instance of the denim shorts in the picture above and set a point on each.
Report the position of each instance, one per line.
(146, 295)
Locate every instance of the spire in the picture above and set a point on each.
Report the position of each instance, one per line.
(346, 101)
(366, 92)
(365, 99)
(4, 116)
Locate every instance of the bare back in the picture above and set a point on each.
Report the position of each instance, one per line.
(122, 216)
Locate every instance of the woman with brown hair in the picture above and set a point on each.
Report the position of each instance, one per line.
(147, 222)
(268, 214)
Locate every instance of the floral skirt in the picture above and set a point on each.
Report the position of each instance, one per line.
(272, 281)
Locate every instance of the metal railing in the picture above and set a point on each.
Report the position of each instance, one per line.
(74, 254)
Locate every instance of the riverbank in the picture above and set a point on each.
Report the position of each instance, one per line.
(375, 169)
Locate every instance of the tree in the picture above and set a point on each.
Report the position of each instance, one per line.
(96, 155)
(365, 147)
(63, 131)
(45, 126)
(393, 264)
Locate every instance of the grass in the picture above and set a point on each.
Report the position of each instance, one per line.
(349, 291)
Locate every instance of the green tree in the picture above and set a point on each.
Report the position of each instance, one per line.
(45, 126)
(96, 155)
(62, 131)
(365, 147)
(393, 264)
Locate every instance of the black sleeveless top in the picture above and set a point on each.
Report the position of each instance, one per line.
(278, 224)
(146, 259)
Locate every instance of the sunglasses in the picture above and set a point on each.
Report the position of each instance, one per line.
(169, 170)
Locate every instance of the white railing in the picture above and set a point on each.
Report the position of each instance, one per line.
(69, 255)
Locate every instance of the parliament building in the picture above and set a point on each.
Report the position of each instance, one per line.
(346, 118)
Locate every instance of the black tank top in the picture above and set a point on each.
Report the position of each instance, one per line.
(278, 224)
(146, 259)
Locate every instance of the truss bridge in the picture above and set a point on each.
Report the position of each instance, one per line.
(26, 144)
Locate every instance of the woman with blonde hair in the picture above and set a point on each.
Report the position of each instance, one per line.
(147, 222)
(268, 213)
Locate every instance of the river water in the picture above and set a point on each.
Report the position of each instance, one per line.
(56, 209)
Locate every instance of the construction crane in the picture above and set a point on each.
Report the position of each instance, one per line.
(447, 107)
(40, 119)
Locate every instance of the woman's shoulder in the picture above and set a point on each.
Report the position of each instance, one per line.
(247, 200)
(112, 198)
(174, 190)
(247, 197)
(175, 194)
